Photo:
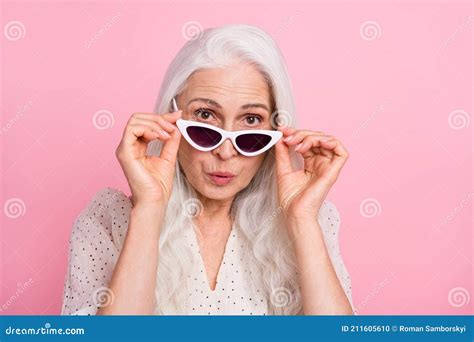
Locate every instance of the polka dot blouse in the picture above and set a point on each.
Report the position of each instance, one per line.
(97, 237)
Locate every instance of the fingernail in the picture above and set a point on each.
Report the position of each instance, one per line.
(298, 146)
(288, 138)
(166, 134)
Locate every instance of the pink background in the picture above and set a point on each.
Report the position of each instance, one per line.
(399, 98)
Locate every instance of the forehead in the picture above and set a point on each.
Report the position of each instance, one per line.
(238, 82)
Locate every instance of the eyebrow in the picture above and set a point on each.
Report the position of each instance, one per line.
(217, 105)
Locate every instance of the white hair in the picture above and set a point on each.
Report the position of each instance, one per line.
(255, 210)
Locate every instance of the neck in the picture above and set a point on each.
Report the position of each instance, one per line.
(216, 211)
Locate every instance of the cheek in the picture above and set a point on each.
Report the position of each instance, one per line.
(250, 166)
(189, 159)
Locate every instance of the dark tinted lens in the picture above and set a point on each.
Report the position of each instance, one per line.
(203, 136)
(252, 142)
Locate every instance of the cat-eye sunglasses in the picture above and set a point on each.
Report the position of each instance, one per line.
(205, 137)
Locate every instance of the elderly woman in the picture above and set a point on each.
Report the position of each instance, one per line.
(228, 212)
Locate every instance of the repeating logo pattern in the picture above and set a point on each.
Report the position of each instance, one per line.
(370, 208)
(192, 207)
(102, 297)
(281, 118)
(14, 208)
(103, 119)
(14, 30)
(370, 30)
(281, 297)
(458, 297)
(192, 30)
(458, 119)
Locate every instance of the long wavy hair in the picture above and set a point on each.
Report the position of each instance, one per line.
(255, 210)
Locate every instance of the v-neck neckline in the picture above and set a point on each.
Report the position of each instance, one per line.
(204, 272)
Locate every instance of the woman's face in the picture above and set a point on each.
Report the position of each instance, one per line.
(233, 98)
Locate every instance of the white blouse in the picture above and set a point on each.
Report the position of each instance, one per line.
(96, 240)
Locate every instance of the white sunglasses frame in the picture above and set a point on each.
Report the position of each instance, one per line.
(232, 135)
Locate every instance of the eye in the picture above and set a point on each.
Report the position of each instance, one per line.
(203, 113)
(253, 120)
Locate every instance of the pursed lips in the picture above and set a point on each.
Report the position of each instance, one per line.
(222, 174)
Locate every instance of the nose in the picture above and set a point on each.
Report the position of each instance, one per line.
(226, 150)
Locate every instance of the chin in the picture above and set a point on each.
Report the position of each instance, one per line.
(218, 193)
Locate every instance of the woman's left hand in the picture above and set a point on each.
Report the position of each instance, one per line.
(302, 192)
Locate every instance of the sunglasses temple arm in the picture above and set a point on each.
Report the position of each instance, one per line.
(174, 105)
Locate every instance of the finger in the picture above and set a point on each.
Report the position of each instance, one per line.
(168, 126)
(298, 136)
(336, 146)
(301, 135)
(156, 127)
(312, 145)
(339, 158)
(286, 130)
(340, 155)
(318, 150)
(310, 142)
(172, 117)
(294, 133)
(310, 148)
(283, 160)
(325, 152)
(134, 132)
(170, 147)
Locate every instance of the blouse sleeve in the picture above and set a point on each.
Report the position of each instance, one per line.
(329, 221)
(96, 239)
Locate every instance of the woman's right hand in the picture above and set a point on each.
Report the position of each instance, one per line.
(150, 177)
